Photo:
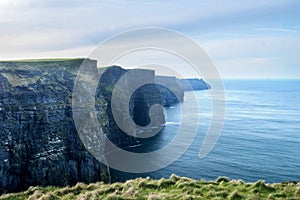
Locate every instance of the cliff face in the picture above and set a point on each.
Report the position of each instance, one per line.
(170, 90)
(140, 102)
(193, 84)
(39, 144)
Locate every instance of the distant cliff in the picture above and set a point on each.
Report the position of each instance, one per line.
(171, 91)
(140, 103)
(193, 84)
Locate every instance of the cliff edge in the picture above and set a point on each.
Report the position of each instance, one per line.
(39, 144)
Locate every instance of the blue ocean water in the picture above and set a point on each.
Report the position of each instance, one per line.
(260, 137)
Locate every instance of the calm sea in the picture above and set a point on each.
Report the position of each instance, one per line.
(260, 138)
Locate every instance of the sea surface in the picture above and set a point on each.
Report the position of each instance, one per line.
(260, 137)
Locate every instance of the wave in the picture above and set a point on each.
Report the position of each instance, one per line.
(172, 123)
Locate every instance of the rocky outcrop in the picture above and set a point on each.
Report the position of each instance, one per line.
(38, 140)
(139, 104)
(39, 144)
(193, 84)
(170, 90)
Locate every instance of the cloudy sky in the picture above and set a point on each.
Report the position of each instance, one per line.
(245, 39)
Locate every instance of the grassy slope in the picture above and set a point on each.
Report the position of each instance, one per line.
(42, 60)
(172, 188)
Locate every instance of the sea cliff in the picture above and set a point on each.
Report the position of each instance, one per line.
(39, 144)
(193, 84)
(171, 91)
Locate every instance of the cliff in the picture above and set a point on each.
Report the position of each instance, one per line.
(193, 84)
(39, 144)
(170, 90)
(139, 102)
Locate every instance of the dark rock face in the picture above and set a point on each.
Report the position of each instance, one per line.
(193, 84)
(170, 90)
(39, 144)
(140, 103)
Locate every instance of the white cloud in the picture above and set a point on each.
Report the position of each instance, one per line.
(256, 46)
(259, 56)
(279, 30)
(60, 27)
(81, 52)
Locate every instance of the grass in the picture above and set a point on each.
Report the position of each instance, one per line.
(42, 60)
(172, 188)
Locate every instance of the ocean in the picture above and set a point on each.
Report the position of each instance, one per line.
(260, 138)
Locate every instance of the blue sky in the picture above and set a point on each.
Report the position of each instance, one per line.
(245, 39)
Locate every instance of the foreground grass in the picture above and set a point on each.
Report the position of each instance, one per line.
(173, 188)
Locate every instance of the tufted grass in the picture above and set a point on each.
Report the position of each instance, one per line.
(172, 188)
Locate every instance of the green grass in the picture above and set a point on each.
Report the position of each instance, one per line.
(172, 188)
(43, 60)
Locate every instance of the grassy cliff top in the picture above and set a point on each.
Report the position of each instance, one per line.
(42, 60)
(173, 188)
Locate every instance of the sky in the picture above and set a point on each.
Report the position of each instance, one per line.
(244, 39)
